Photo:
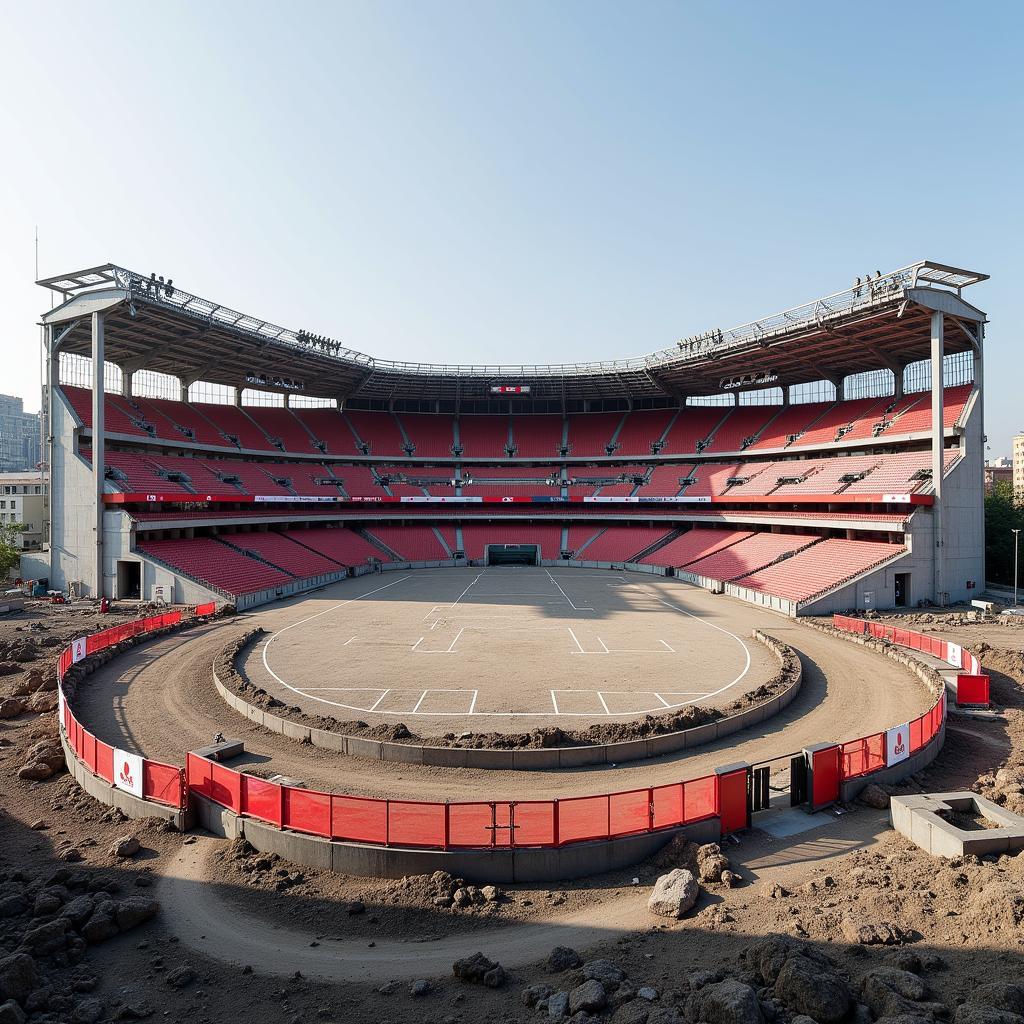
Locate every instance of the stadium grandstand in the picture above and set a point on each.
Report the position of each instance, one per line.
(825, 458)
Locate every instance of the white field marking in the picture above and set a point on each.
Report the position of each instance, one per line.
(432, 610)
(554, 701)
(565, 595)
(451, 646)
(309, 618)
(349, 640)
(672, 649)
(463, 594)
(418, 642)
(604, 703)
(604, 645)
(578, 644)
(472, 703)
(379, 699)
(662, 699)
(418, 703)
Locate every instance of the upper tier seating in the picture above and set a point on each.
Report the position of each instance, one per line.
(379, 430)
(692, 426)
(622, 543)
(415, 543)
(282, 552)
(664, 481)
(591, 432)
(537, 436)
(431, 436)
(745, 421)
(210, 561)
(484, 436)
(233, 421)
(328, 426)
(358, 481)
(340, 545)
(819, 568)
(642, 429)
(723, 428)
(694, 545)
(747, 556)
(141, 474)
(797, 419)
(282, 425)
(476, 537)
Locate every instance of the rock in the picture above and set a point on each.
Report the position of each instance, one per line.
(462, 898)
(49, 901)
(711, 862)
(878, 933)
(969, 1013)
(103, 923)
(78, 910)
(725, 1002)
(479, 970)
(590, 997)
(608, 974)
(674, 894)
(636, 1011)
(731, 879)
(11, 707)
(534, 994)
(889, 992)
(134, 910)
(999, 995)
(806, 986)
(126, 846)
(648, 993)
(35, 771)
(874, 796)
(11, 1013)
(48, 938)
(88, 1011)
(19, 976)
(491, 893)
(420, 988)
(356, 907)
(665, 1015)
(562, 958)
(558, 1005)
(182, 977)
(905, 960)
(13, 906)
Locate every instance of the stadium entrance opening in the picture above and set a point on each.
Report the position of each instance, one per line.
(129, 580)
(513, 554)
(901, 584)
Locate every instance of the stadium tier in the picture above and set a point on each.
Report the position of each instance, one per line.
(792, 462)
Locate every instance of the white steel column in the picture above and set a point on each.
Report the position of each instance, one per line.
(938, 351)
(98, 447)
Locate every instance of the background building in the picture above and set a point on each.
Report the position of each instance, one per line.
(23, 499)
(1018, 469)
(19, 436)
(996, 471)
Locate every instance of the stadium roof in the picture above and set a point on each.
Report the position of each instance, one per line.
(880, 322)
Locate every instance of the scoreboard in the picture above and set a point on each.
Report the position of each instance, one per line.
(510, 389)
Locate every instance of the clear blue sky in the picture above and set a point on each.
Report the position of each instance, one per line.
(528, 181)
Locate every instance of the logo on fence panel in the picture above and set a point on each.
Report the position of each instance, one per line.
(954, 653)
(78, 650)
(897, 744)
(128, 772)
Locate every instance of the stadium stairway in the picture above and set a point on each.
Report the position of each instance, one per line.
(392, 554)
(659, 543)
(254, 555)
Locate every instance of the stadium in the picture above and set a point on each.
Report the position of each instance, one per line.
(516, 625)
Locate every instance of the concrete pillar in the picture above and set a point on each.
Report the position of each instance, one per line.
(238, 396)
(98, 446)
(52, 382)
(979, 376)
(938, 351)
(126, 384)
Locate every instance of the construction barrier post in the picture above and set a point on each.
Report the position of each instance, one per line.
(733, 809)
(824, 774)
(972, 690)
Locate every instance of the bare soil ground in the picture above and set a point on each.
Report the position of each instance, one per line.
(306, 946)
(506, 650)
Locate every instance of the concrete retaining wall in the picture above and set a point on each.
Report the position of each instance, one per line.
(523, 759)
(500, 866)
(132, 806)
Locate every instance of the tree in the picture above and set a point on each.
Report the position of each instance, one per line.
(10, 556)
(1002, 517)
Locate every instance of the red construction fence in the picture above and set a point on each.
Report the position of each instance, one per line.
(479, 824)
(140, 776)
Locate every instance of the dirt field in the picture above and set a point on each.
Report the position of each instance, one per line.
(506, 649)
(211, 931)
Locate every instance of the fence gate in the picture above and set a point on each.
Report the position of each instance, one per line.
(776, 777)
(798, 792)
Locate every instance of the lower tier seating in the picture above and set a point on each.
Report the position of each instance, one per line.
(209, 561)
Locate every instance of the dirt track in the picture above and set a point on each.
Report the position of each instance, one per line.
(159, 699)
